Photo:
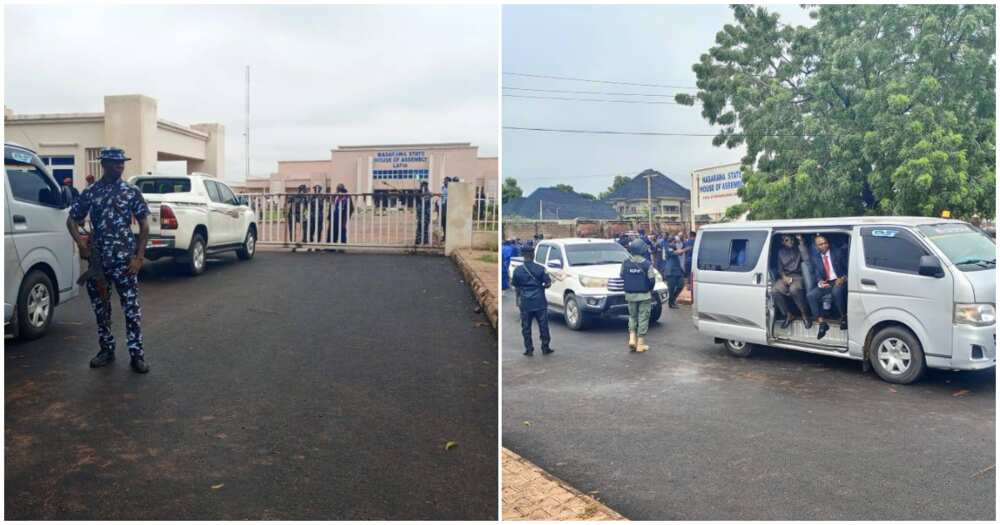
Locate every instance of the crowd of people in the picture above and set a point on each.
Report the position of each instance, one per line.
(671, 255)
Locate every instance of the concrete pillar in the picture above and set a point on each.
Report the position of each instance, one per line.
(130, 124)
(215, 151)
(461, 196)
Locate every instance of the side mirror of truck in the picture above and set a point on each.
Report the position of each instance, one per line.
(930, 266)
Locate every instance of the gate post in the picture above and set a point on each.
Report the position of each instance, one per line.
(460, 200)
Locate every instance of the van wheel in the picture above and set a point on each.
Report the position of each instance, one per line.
(738, 348)
(575, 318)
(897, 356)
(249, 246)
(35, 305)
(196, 255)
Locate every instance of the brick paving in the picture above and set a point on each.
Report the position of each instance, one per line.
(530, 493)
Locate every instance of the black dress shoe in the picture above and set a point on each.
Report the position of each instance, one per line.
(807, 322)
(529, 353)
(139, 365)
(823, 328)
(785, 324)
(547, 351)
(103, 358)
(673, 305)
(843, 324)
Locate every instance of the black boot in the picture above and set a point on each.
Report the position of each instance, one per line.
(529, 352)
(547, 351)
(103, 358)
(139, 364)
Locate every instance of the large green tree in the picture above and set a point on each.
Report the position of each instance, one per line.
(510, 189)
(620, 180)
(875, 109)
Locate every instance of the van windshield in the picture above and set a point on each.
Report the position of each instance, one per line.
(967, 248)
(595, 253)
(163, 185)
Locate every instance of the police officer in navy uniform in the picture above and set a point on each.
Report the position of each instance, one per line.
(530, 280)
(112, 204)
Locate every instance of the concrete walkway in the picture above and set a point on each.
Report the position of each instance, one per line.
(530, 493)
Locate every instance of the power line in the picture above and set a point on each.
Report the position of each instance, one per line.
(656, 133)
(616, 82)
(575, 92)
(658, 102)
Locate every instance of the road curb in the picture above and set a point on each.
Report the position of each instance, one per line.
(531, 493)
(486, 299)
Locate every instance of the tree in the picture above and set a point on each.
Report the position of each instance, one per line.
(564, 187)
(876, 109)
(620, 180)
(588, 196)
(510, 190)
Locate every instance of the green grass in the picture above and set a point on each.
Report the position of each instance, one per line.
(489, 258)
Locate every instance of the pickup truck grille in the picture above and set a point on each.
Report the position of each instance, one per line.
(616, 284)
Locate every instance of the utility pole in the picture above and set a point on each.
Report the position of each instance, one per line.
(649, 199)
(246, 131)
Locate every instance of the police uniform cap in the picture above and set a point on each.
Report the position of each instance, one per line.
(113, 154)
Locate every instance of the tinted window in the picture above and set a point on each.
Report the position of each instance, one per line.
(540, 253)
(555, 254)
(891, 248)
(226, 193)
(595, 253)
(163, 185)
(213, 191)
(730, 251)
(30, 184)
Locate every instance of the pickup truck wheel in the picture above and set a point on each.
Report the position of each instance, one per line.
(249, 246)
(196, 255)
(655, 313)
(576, 319)
(896, 355)
(35, 305)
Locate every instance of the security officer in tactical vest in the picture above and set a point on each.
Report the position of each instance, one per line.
(114, 253)
(638, 277)
(530, 281)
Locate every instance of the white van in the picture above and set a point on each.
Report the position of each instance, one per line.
(921, 292)
(41, 261)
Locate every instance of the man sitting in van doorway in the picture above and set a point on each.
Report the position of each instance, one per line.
(830, 267)
(789, 283)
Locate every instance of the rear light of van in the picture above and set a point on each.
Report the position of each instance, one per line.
(168, 221)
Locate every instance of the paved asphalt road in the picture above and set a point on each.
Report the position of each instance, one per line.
(296, 386)
(687, 431)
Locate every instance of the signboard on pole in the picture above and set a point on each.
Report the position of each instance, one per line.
(714, 189)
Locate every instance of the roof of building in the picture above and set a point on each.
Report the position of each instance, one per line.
(662, 186)
(558, 204)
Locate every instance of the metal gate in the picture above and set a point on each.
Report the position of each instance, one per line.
(407, 221)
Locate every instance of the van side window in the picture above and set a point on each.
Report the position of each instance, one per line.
(729, 251)
(891, 248)
(28, 183)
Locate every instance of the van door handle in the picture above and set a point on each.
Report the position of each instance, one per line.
(757, 277)
(868, 282)
(19, 219)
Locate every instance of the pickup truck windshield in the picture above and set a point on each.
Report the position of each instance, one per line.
(163, 185)
(595, 253)
(967, 248)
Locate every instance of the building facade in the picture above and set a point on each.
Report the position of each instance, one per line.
(383, 168)
(71, 142)
(671, 202)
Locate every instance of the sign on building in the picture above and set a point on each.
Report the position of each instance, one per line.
(714, 189)
(400, 165)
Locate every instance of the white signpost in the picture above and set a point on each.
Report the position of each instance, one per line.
(714, 189)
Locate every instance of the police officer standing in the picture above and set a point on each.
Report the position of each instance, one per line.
(638, 276)
(530, 280)
(112, 204)
(672, 271)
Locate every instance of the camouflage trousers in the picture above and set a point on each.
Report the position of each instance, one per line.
(638, 316)
(128, 293)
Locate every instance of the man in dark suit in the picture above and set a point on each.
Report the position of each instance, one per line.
(830, 269)
(530, 280)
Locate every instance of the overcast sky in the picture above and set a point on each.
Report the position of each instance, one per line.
(639, 44)
(321, 76)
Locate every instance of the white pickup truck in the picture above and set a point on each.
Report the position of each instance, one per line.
(581, 270)
(193, 216)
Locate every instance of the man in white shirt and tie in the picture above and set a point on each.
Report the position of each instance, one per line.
(830, 267)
